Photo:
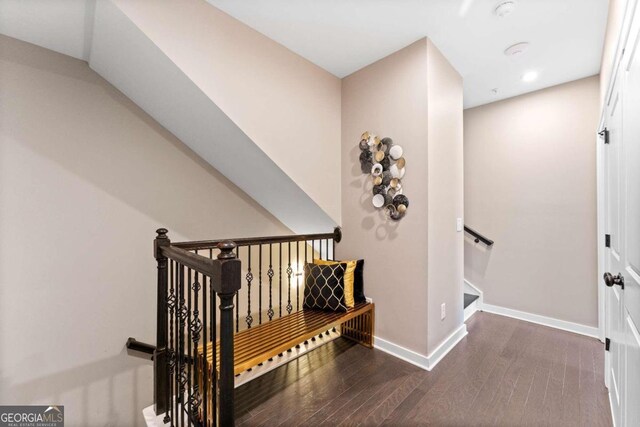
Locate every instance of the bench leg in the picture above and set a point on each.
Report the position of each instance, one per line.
(360, 329)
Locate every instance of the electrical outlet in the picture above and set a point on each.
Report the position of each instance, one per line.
(443, 311)
(459, 224)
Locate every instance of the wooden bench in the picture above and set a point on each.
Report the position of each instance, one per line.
(261, 343)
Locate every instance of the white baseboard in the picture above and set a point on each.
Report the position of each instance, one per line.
(420, 360)
(403, 353)
(471, 310)
(564, 325)
(446, 346)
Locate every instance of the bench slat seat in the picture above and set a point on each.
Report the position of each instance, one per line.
(263, 342)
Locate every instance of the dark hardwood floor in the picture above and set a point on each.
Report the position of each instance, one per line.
(505, 372)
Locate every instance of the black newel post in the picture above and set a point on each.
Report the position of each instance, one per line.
(228, 286)
(160, 359)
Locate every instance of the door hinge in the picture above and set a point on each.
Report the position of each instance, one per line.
(604, 133)
(607, 344)
(607, 240)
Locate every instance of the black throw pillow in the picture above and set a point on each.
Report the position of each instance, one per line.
(324, 287)
(358, 282)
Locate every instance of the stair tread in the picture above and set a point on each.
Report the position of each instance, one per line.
(469, 299)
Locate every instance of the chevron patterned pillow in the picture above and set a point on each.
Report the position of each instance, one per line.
(324, 287)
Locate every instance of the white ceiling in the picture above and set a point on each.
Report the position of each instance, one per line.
(342, 36)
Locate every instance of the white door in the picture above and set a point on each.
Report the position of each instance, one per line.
(622, 223)
(613, 260)
(631, 255)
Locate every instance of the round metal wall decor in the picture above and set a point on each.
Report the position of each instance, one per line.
(383, 161)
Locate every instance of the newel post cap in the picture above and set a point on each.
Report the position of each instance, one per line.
(226, 250)
(337, 234)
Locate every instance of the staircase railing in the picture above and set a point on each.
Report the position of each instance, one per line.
(478, 237)
(192, 278)
(271, 272)
(188, 285)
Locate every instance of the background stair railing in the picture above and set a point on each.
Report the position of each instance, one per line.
(478, 237)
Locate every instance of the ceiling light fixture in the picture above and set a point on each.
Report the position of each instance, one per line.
(516, 49)
(529, 76)
(505, 8)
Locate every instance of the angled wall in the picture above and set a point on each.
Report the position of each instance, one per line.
(86, 177)
(266, 118)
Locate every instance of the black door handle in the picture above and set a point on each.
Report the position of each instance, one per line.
(611, 280)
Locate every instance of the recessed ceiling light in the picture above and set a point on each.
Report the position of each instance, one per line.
(516, 49)
(529, 76)
(505, 8)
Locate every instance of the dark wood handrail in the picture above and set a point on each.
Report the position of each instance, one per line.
(245, 241)
(478, 237)
(189, 259)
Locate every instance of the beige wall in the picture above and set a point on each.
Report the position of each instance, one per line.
(445, 196)
(85, 179)
(614, 26)
(288, 106)
(389, 98)
(414, 97)
(530, 185)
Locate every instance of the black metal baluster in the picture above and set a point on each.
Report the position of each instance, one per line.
(249, 277)
(306, 245)
(280, 283)
(260, 285)
(195, 399)
(204, 370)
(212, 371)
(238, 303)
(171, 304)
(326, 246)
(320, 243)
(289, 271)
(181, 361)
(185, 408)
(297, 276)
(270, 312)
(176, 378)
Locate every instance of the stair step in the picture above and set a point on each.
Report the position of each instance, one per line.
(469, 299)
